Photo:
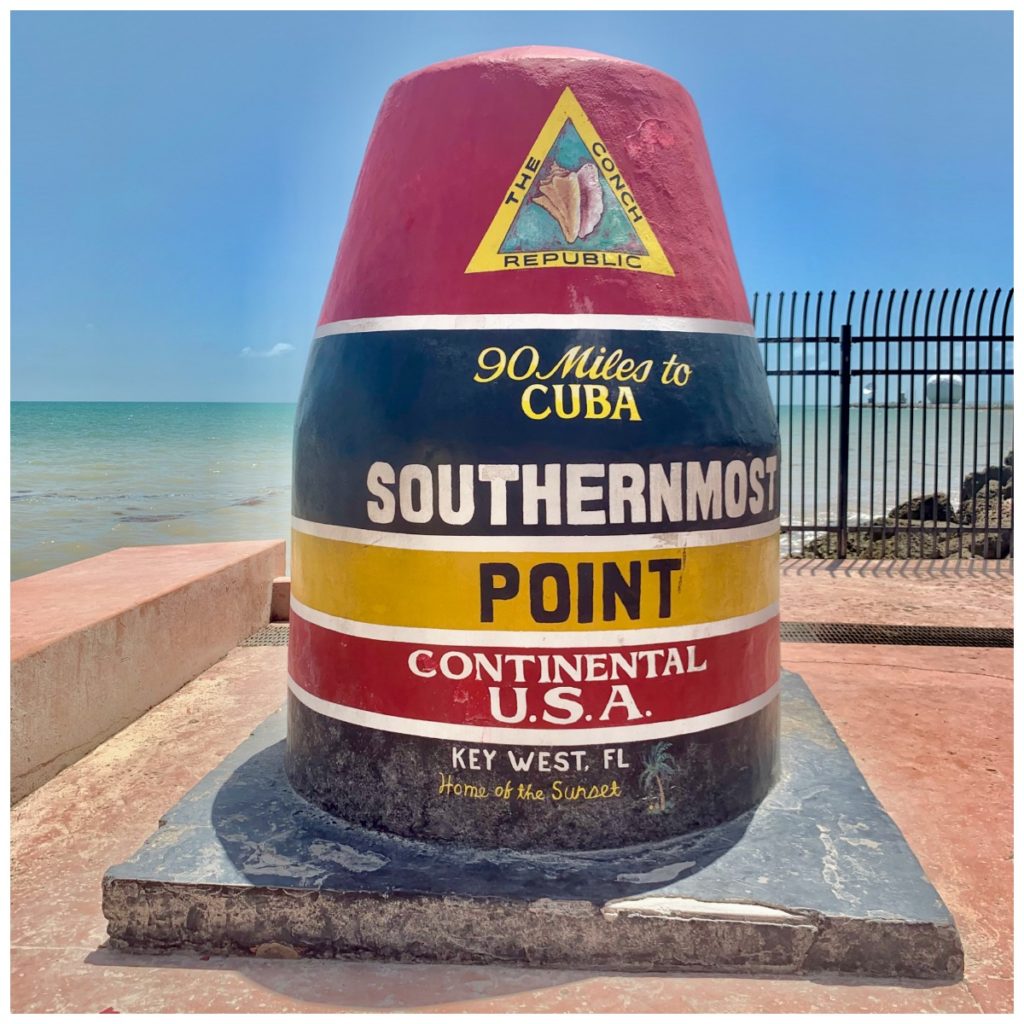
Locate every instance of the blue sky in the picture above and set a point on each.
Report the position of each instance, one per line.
(180, 181)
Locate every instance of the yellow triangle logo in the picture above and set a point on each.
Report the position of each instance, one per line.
(569, 206)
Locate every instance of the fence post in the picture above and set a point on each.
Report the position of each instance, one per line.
(845, 373)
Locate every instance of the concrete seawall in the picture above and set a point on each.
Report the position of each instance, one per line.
(96, 644)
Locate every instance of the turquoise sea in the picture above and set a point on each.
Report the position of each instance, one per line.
(90, 477)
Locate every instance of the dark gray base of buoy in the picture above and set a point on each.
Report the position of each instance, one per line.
(817, 879)
(385, 781)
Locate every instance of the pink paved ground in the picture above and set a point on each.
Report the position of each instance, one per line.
(933, 593)
(931, 729)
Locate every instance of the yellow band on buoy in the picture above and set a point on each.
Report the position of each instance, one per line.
(501, 590)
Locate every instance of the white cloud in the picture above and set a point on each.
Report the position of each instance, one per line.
(278, 350)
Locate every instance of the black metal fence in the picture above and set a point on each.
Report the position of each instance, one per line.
(896, 415)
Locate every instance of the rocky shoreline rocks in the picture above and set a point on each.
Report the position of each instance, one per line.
(977, 525)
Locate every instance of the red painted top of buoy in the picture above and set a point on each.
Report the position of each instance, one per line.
(448, 141)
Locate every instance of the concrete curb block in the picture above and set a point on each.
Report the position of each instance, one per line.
(97, 643)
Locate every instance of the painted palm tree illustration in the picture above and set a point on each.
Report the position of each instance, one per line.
(659, 764)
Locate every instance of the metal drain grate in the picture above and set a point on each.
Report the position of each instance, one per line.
(923, 636)
(276, 635)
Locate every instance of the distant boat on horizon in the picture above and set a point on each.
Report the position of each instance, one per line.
(944, 389)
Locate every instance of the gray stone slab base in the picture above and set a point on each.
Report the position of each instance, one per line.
(817, 879)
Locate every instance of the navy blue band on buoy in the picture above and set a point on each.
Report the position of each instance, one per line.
(513, 397)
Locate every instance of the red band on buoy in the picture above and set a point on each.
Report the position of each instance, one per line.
(448, 150)
(456, 684)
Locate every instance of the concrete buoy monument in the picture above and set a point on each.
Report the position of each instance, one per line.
(535, 711)
(535, 542)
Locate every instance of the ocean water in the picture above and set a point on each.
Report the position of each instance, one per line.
(90, 477)
(895, 454)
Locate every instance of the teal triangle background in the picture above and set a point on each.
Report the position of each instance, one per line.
(535, 230)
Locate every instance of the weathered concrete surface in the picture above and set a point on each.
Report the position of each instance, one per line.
(946, 780)
(817, 878)
(281, 599)
(97, 643)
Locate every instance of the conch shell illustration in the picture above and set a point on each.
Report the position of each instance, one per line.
(573, 198)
